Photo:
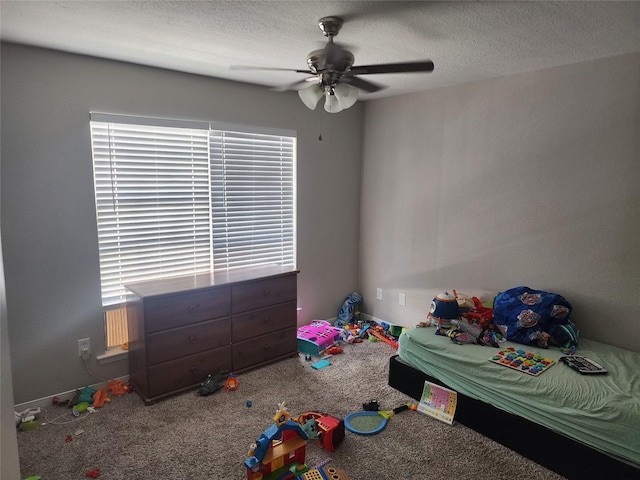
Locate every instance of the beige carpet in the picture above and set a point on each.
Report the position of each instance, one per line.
(188, 436)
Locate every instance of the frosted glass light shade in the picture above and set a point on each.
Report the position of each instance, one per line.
(346, 94)
(332, 104)
(310, 96)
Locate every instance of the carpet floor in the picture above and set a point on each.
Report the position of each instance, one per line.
(191, 437)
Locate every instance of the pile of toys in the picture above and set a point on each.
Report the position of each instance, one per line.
(279, 453)
(463, 319)
(520, 314)
(321, 337)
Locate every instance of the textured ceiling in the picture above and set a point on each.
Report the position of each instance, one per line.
(467, 41)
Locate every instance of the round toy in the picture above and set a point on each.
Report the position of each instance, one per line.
(443, 309)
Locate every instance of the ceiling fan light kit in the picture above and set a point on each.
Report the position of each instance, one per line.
(334, 76)
(337, 98)
(311, 96)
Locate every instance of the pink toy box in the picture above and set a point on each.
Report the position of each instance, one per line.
(317, 337)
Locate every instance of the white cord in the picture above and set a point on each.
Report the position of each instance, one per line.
(86, 366)
(73, 420)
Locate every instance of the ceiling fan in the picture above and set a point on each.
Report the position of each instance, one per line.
(334, 76)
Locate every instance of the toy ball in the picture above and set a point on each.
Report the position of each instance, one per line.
(444, 308)
(249, 403)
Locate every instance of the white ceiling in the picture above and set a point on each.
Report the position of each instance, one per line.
(467, 41)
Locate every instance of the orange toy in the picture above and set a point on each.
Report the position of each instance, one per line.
(117, 387)
(231, 384)
(100, 398)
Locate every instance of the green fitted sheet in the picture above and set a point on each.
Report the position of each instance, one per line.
(602, 411)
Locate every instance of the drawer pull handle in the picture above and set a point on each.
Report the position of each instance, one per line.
(193, 369)
(267, 347)
(192, 308)
(268, 321)
(193, 339)
(266, 293)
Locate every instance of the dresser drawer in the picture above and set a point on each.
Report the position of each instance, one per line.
(262, 349)
(182, 309)
(265, 320)
(180, 342)
(188, 371)
(263, 293)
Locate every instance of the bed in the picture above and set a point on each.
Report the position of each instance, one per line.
(581, 426)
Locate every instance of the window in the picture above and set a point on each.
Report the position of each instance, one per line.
(181, 198)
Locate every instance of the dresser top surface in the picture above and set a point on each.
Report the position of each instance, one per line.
(165, 286)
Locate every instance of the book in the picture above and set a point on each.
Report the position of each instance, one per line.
(438, 402)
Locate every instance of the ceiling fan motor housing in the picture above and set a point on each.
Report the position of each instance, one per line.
(323, 60)
(330, 26)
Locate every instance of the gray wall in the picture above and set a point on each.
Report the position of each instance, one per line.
(48, 213)
(9, 466)
(523, 180)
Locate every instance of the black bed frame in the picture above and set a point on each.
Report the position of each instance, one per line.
(567, 457)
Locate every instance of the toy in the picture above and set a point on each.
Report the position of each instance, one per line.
(522, 361)
(280, 451)
(80, 407)
(370, 422)
(231, 384)
(444, 308)
(328, 429)
(393, 330)
(583, 365)
(279, 447)
(87, 395)
(213, 383)
(350, 310)
(28, 425)
(328, 473)
(118, 387)
(100, 398)
(479, 313)
(378, 332)
(321, 364)
(438, 402)
(316, 338)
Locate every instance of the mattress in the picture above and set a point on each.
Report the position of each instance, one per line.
(602, 411)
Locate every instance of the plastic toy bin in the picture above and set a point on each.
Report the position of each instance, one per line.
(317, 337)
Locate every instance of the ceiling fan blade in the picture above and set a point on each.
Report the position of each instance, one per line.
(361, 84)
(247, 67)
(408, 67)
(292, 86)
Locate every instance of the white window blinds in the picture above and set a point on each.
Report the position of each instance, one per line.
(252, 185)
(177, 198)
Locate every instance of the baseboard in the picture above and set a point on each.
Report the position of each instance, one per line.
(46, 402)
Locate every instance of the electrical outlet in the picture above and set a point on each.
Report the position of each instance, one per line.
(379, 294)
(402, 299)
(84, 348)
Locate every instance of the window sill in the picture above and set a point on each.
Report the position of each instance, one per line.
(112, 355)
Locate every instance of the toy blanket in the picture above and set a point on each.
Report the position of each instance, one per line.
(534, 317)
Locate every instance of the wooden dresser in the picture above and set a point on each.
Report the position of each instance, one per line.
(185, 328)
